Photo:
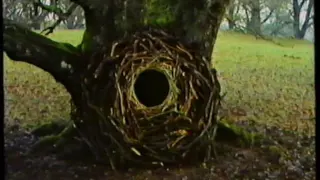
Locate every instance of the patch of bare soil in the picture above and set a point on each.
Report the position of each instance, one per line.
(284, 156)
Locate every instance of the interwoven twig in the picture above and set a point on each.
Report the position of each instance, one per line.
(116, 125)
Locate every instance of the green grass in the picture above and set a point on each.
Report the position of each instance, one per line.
(272, 84)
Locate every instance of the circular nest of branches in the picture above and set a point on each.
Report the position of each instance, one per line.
(152, 100)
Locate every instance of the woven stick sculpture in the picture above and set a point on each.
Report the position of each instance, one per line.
(174, 122)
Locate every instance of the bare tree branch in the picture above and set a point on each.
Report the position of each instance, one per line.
(309, 10)
(268, 16)
(308, 17)
(237, 8)
(291, 12)
(62, 17)
(50, 8)
(61, 60)
(302, 3)
(310, 24)
(246, 10)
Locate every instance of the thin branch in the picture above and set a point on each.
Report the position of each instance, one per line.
(246, 13)
(229, 18)
(308, 17)
(291, 12)
(61, 18)
(237, 8)
(50, 8)
(310, 24)
(268, 16)
(309, 10)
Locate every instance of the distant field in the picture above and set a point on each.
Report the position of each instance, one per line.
(270, 84)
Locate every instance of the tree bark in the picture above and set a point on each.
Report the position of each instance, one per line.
(200, 23)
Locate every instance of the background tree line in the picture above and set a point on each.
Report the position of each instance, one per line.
(288, 18)
(277, 18)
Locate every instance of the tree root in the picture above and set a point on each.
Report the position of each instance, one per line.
(67, 143)
(52, 128)
(64, 143)
(237, 136)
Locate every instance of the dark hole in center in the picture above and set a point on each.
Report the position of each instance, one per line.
(151, 88)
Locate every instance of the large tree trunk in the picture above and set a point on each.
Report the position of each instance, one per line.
(116, 111)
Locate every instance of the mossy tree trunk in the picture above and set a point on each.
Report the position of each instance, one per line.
(107, 22)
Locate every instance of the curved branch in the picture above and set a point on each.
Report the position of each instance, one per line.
(61, 60)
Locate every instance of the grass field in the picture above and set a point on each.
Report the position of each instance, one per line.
(267, 83)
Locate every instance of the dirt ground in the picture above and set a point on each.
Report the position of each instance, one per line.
(286, 156)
